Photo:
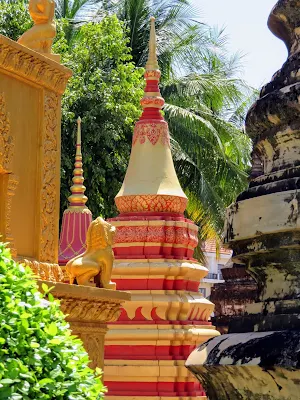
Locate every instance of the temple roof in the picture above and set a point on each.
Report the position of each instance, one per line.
(209, 246)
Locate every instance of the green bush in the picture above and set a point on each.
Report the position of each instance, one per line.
(39, 358)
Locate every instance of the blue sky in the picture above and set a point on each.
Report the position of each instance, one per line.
(246, 25)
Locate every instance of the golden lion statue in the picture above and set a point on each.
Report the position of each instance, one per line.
(40, 37)
(97, 261)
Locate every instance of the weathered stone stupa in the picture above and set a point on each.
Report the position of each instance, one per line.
(146, 348)
(259, 359)
(77, 217)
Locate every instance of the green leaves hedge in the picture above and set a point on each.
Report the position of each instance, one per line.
(39, 358)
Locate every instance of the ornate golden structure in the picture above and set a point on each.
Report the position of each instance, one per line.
(88, 310)
(77, 198)
(31, 86)
(77, 217)
(97, 261)
(40, 37)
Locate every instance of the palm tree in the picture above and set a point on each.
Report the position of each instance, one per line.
(73, 9)
(205, 110)
(76, 12)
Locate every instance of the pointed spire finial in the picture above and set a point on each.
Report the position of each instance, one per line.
(152, 102)
(152, 63)
(78, 143)
(77, 198)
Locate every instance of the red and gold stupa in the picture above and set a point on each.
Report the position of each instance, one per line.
(145, 350)
(77, 217)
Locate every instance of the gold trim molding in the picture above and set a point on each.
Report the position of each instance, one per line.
(48, 250)
(33, 66)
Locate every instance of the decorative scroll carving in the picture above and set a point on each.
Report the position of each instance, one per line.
(11, 190)
(6, 159)
(94, 346)
(158, 203)
(45, 271)
(100, 311)
(6, 140)
(49, 174)
(32, 66)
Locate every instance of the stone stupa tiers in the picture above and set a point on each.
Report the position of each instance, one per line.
(259, 358)
(146, 348)
(151, 183)
(77, 217)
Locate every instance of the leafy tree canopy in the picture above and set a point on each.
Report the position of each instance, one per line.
(105, 91)
(14, 18)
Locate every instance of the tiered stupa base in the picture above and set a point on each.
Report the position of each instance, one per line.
(147, 360)
(145, 350)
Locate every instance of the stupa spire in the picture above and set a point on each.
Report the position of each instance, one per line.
(152, 62)
(78, 198)
(153, 248)
(77, 217)
(151, 183)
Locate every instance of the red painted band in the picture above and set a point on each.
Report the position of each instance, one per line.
(121, 321)
(147, 352)
(156, 284)
(168, 389)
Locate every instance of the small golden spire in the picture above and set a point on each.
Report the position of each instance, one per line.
(152, 62)
(77, 198)
(78, 143)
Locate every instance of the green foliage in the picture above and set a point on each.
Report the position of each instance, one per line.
(105, 91)
(14, 18)
(39, 359)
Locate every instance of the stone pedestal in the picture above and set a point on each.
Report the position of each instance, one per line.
(31, 86)
(259, 358)
(88, 311)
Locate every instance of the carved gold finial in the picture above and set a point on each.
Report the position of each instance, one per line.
(77, 198)
(152, 98)
(152, 63)
(40, 37)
